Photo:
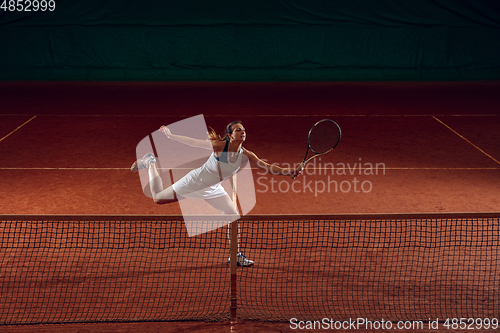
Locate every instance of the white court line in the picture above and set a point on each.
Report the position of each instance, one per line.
(5, 137)
(482, 151)
(254, 115)
(77, 169)
(347, 170)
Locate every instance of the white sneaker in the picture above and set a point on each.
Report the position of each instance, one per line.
(143, 163)
(241, 260)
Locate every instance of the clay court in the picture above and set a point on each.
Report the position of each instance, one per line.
(396, 229)
(399, 222)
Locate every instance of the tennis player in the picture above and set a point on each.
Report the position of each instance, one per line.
(206, 181)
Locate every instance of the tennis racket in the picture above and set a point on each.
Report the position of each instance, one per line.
(323, 137)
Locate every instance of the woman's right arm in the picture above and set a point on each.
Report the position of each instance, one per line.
(214, 145)
(205, 144)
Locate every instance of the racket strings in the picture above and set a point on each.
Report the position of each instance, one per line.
(324, 136)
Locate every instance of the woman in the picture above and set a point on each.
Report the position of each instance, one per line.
(206, 181)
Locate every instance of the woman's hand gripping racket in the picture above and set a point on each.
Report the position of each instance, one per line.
(323, 137)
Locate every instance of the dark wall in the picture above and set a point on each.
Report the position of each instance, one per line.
(253, 40)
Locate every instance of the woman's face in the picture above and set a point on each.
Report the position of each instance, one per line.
(239, 133)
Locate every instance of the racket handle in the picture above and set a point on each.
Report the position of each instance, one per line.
(299, 168)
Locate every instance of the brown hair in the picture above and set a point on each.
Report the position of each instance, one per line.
(229, 130)
(212, 135)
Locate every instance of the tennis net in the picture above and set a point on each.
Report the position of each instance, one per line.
(61, 269)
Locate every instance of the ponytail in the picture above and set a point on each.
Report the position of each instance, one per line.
(212, 135)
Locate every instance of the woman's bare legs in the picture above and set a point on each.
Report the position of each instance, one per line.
(160, 195)
(225, 206)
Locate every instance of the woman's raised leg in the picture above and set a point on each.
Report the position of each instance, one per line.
(160, 195)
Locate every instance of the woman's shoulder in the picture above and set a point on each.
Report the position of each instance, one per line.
(251, 155)
(218, 145)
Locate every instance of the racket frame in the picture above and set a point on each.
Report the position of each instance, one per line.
(305, 161)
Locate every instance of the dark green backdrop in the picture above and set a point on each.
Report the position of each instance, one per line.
(253, 40)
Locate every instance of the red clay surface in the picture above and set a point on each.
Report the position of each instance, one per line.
(92, 129)
(435, 144)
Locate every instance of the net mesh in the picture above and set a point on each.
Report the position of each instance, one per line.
(93, 269)
(391, 269)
